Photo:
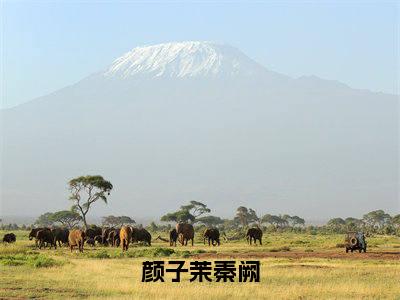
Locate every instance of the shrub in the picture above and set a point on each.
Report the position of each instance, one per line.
(103, 254)
(42, 261)
(199, 251)
(152, 252)
(162, 252)
(185, 254)
(280, 249)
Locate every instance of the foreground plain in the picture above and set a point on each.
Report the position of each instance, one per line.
(294, 266)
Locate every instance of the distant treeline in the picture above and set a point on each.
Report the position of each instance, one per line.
(85, 191)
(197, 213)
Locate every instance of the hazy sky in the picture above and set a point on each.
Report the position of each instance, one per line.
(48, 45)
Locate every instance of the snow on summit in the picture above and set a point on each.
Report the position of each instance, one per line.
(183, 59)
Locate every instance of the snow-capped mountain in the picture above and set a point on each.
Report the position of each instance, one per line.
(183, 59)
(198, 120)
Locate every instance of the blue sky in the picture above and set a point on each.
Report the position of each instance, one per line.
(49, 45)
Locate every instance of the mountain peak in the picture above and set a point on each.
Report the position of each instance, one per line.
(183, 59)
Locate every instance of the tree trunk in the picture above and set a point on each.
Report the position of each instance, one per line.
(84, 221)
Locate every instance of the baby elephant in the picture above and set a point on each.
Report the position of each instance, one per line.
(98, 239)
(9, 238)
(76, 238)
(212, 234)
(173, 236)
(90, 241)
(125, 235)
(255, 234)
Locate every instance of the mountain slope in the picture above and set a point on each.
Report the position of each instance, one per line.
(178, 122)
(182, 60)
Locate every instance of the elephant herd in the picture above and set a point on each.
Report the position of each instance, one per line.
(123, 236)
(50, 237)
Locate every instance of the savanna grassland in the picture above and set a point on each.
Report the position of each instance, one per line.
(293, 266)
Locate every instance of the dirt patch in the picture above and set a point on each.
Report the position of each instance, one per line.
(381, 255)
(302, 266)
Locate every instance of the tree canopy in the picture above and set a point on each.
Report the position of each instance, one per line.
(196, 208)
(376, 218)
(276, 220)
(210, 221)
(245, 216)
(178, 216)
(86, 190)
(336, 222)
(396, 220)
(117, 221)
(187, 213)
(45, 220)
(67, 218)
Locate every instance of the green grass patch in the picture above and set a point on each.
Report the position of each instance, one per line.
(32, 260)
(102, 254)
(199, 251)
(184, 254)
(150, 252)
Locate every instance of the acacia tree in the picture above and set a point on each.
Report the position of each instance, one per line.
(292, 220)
(187, 213)
(396, 220)
(196, 208)
(114, 221)
(296, 220)
(86, 190)
(45, 220)
(67, 218)
(276, 221)
(376, 219)
(245, 216)
(210, 221)
(336, 224)
(178, 216)
(353, 224)
(241, 215)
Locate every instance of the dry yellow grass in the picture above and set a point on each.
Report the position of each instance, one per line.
(280, 278)
(85, 276)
